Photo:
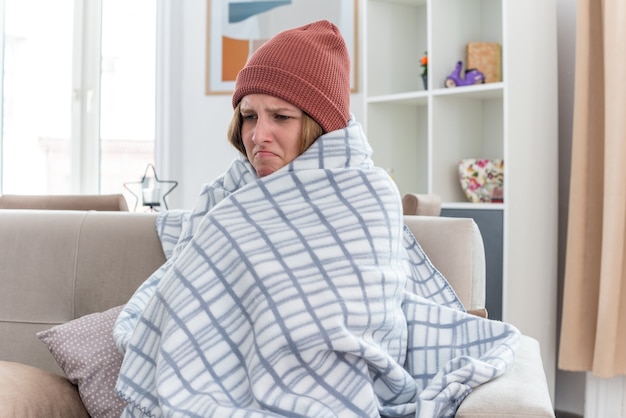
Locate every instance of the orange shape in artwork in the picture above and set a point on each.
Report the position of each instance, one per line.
(234, 56)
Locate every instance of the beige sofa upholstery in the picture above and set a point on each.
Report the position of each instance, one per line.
(466, 273)
(469, 283)
(56, 266)
(421, 204)
(107, 202)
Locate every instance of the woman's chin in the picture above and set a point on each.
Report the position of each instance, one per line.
(265, 166)
(264, 171)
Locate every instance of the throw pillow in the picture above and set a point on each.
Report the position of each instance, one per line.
(85, 351)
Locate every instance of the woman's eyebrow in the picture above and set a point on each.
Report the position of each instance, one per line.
(269, 109)
(282, 109)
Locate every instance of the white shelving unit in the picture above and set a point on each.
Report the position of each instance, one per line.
(421, 134)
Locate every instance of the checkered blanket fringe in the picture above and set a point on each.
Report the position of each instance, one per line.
(301, 294)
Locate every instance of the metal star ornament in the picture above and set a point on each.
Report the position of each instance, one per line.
(151, 191)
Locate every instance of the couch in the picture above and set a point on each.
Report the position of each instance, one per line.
(106, 202)
(59, 267)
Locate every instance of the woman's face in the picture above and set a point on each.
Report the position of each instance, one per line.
(271, 132)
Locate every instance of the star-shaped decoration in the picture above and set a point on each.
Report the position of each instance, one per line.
(150, 189)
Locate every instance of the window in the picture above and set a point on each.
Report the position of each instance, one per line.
(78, 90)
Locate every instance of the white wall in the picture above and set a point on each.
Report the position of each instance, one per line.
(198, 150)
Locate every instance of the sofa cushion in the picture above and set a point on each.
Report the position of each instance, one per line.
(85, 350)
(30, 392)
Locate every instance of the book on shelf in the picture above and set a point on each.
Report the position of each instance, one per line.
(485, 57)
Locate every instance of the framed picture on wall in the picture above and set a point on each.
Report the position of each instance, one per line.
(236, 28)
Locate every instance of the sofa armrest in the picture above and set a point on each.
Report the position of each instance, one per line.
(421, 204)
(521, 392)
(455, 247)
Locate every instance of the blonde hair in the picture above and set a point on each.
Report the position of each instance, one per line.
(311, 130)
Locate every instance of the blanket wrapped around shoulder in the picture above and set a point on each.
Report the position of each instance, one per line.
(302, 294)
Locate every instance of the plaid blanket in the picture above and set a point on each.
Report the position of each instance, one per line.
(301, 294)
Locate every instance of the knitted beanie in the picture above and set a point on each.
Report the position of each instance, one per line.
(309, 67)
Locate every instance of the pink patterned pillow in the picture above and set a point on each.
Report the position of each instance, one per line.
(85, 350)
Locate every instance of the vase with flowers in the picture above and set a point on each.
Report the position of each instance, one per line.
(424, 65)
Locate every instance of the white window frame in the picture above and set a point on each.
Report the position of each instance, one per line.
(85, 139)
(1, 92)
(85, 125)
(163, 96)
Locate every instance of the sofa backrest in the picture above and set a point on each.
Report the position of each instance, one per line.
(58, 265)
(105, 202)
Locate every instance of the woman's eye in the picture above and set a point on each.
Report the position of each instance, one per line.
(282, 117)
(248, 117)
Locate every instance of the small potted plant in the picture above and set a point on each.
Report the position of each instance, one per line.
(424, 65)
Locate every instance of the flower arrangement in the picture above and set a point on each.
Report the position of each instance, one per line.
(424, 64)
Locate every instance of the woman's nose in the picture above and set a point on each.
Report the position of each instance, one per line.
(261, 131)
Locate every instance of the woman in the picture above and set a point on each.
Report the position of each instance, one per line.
(295, 289)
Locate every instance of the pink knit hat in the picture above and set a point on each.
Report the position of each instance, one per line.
(307, 66)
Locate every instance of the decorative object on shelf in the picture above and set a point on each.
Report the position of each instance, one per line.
(424, 65)
(485, 57)
(151, 191)
(482, 179)
(471, 76)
